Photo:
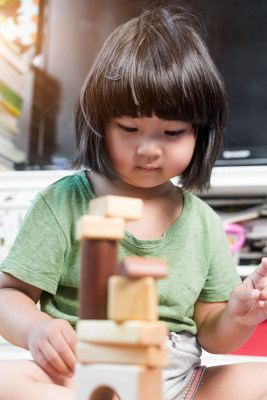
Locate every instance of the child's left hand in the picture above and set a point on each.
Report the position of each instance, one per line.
(248, 301)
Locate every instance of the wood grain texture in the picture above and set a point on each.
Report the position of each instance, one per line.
(128, 208)
(132, 333)
(99, 261)
(139, 267)
(132, 299)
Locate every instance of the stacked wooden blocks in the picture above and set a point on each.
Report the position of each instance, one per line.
(121, 344)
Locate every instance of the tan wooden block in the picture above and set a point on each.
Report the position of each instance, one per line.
(129, 382)
(99, 227)
(94, 353)
(138, 267)
(135, 333)
(128, 208)
(132, 299)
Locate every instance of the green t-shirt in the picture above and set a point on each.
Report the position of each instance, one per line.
(46, 254)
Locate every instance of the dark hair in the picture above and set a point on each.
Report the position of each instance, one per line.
(155, 63)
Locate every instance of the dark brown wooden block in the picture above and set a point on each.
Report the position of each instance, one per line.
(99, 261)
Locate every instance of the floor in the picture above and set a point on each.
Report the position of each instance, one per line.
(221, 359)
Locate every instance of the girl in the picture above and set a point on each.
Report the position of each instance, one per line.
(152, 108)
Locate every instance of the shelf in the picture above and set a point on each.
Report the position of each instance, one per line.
(244, 270)
(30, 180)
(238, 181)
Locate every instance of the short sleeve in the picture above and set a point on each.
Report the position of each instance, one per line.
(37, 255)
(222, 274)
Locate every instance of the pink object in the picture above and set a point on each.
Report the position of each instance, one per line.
(236, 230)
(139, 267)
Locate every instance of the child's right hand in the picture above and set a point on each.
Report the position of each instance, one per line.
(52, 344)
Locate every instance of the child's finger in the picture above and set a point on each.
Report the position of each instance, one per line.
(65, 359)
(71, 337)
(54, 358)
(69, 358)
(263, 305)
(41, 359)
(243, 293)
(263, 294)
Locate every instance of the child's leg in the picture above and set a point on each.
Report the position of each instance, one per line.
(246, 381)
(25, 380)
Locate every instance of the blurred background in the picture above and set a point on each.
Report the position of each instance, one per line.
(48, 46)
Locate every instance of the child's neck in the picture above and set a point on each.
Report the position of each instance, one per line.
(102, 187)
(162, 205)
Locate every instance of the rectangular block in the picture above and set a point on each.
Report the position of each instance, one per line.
(133, 333)
(98, 227)
(99, 261)
(151, 356)
(129, 382)
(134, 299)
(138, 267)
(128, 208)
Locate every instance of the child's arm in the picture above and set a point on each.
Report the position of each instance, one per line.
(223, 327)
(51, 341)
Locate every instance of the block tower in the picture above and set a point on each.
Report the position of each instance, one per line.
(121, 344)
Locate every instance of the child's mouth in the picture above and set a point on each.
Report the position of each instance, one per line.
(147, 168)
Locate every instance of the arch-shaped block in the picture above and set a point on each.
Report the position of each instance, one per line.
(102, 393)
(129, 382)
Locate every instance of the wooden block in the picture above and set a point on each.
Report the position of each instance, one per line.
(94, 353)
(129, 382)
(134, 333)
(128, 208)
(134, 299)
(99, 261)
(98, 227)
(138, 267)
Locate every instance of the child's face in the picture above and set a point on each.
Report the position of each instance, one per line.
(147, 152)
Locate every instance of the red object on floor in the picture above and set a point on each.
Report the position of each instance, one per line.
(256, 345)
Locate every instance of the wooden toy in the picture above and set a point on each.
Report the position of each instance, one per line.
(129, 382)
(94, 353)
(117, 206)
(125, 354)
(98, 263)
(132, 299)
(132, 333)
(99, 259)
(97, 227)
(139, 267)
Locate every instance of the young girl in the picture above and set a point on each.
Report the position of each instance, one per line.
(152, 108)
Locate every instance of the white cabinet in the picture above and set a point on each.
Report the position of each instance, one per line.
(17, 190)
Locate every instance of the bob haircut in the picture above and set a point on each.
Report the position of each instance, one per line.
(157, 64)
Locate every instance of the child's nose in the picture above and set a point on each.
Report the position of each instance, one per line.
(149, 148)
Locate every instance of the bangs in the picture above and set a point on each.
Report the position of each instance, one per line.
(144, 92)
(151, 73)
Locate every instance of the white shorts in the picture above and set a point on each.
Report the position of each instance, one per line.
(183, 375)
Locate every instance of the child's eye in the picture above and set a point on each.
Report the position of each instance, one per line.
(174, 133)
(127, 128)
